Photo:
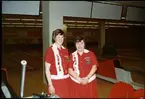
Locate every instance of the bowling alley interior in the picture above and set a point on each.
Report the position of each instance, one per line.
(115, 32)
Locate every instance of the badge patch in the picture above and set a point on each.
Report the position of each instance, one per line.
(88, 60)
(67, 58)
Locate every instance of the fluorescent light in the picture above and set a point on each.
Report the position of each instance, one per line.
(81, 21)
(122, 23)
(38, 23)
(6, 23)
(29, 26)
(138, 24)
(89, 25)
(112, 23)
(28, 19)
(17, 23)
(96, 25)
(38, 26)
(86, 27)
(11, 19)
(93, 22)
(80, 25)
(72, 27)
(130, 24)
(71, 24)
(68, 21)
(29, 23)
(10, 25)
(20, 26)
(39, 19)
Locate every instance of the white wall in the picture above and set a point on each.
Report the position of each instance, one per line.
(106, 11)
(135, 14)
(21, 7)
(58, 9)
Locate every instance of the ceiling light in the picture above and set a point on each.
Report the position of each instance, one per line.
(17, 23)
(72, 27)
(29, 23)
(96, 25)
(29, 26)
(28, 19)
(69, 21)
(38, 23)
(80, 25)
(10, 25)
(112, 23)
(122, 23)
(11, 19)
(6, 23)
(92, 22)
(89, 25)
(137, 24)
(20, 26)
(129, 24)
(71, 24)
(81, 21)
(39, 19)
(38, 26)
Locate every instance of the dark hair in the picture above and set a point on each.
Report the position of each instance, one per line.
(79, 38)
(55, 33)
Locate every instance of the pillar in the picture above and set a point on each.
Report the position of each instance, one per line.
(101, 41)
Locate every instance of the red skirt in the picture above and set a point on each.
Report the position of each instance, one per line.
(84, 91)
(61, 88)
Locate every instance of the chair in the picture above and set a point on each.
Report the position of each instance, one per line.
(139, 94)
(121, 90)
(6, 89)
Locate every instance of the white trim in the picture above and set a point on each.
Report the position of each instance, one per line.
(75, 64)
(136, 86)
(107, 78)
(76, 61)
(57, 56)
(90, 79)
(124, 76)
(56, 77)
(6, 91)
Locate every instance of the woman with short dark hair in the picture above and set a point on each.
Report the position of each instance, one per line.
(82, 68)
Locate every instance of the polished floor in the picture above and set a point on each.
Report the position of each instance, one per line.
(34, 72)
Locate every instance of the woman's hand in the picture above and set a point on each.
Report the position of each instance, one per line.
(51, 89)
(85, 80)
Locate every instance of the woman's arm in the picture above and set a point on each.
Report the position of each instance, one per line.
(92, 71)
(72, 73)
(48, 76)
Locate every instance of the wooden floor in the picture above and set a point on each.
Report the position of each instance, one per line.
(34, 73)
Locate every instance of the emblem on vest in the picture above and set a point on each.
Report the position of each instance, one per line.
(66, 58)
(88, 60)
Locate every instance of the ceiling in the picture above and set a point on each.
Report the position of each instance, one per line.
(36, 21)
(132, 3)
(127, 3)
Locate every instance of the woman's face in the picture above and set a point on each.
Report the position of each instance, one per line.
(80, 46)
(59, 39)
